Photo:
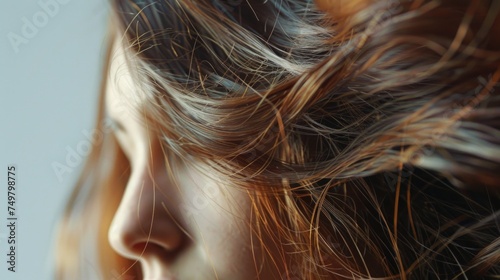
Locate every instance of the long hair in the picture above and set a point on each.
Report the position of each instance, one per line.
(370, 130)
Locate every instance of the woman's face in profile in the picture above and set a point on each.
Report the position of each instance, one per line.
(180, 224)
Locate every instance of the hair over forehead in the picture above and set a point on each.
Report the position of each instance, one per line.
(223, 75)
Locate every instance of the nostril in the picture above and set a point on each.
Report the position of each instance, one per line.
(140, 248)
(131, 241)
(144, 250)
(121, 240)
(127, 242)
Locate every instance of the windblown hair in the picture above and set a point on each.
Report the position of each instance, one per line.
(372, 128)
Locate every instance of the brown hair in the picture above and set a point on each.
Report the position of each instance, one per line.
(372, 128)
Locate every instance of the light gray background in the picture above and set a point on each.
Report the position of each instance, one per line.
(48, 97)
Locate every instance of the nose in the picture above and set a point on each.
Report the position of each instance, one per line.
(142, 227)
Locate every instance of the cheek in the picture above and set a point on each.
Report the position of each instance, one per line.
(219, 217)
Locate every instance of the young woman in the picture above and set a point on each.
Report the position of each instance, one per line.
(293, 139)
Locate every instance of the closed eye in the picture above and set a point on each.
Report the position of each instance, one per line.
(116, 125)
(121, 135)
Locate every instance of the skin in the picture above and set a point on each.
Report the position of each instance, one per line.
(176, 220)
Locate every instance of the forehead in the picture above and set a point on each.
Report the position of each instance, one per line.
(121, 94)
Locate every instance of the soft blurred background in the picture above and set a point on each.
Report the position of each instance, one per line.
(51, 55)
